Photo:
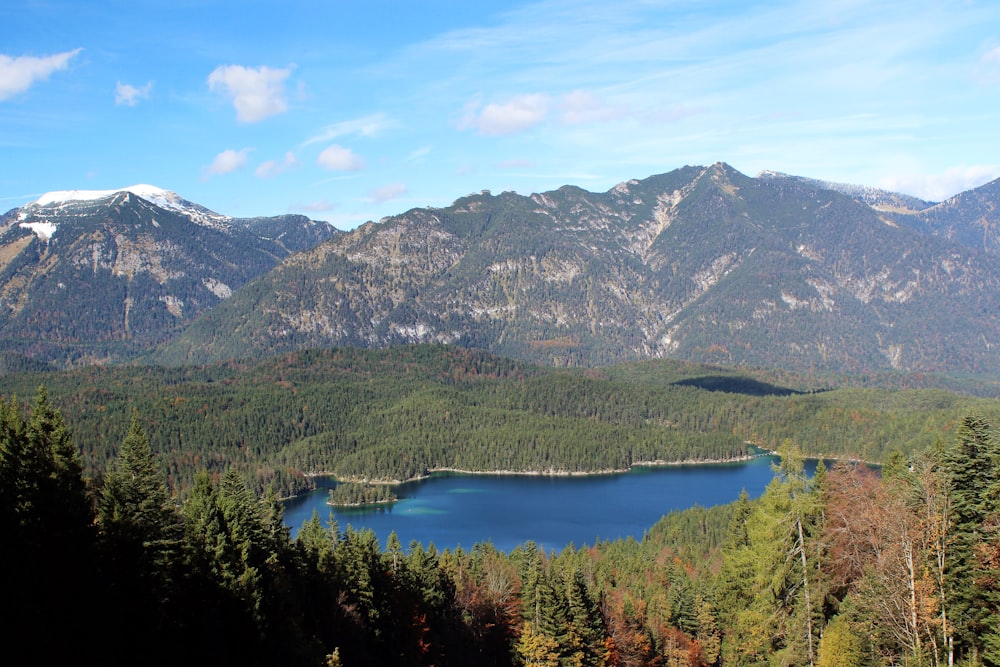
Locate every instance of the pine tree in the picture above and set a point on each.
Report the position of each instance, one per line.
(973, 467)
(141, 548)
(317, 542)
(586, 627)
(49, 543)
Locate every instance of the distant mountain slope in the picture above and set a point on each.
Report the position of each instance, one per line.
(971, 218)
(701, 263)
(878, 199)
(100, 275)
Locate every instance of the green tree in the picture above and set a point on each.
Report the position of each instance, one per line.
(973, 468)
(141, 548)
(770, 586)
(49, 543)
(586, 627)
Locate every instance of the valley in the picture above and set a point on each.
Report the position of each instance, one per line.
(189, 409)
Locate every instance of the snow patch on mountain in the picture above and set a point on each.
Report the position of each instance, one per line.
(43, 230)
(148, 192)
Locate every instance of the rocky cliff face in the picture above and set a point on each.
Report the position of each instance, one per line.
(701, 263)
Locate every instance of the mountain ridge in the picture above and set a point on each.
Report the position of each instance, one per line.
(100, 276)
(702, 263)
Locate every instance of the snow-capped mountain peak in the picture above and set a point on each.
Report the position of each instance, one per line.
(64, 200)
(148, 192)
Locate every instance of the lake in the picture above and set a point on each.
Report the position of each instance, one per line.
(459, 510)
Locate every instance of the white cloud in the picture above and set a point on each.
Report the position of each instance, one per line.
(517, 114)
(938, 187)
(128, 95)
(256, 93)
(366, 126)
(272, 168)
(988, 71)
(418, 154)
(20, 73)
(227, 161)
(338, 158)
(581, 106)
(313, 207)
(389, 192)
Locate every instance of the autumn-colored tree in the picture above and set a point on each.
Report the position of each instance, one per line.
(840, 645)
(887, 538)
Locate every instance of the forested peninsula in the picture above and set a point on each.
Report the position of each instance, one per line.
(396, 414)
(846, 568)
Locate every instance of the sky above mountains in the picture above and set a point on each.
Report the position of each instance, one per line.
(350, 111)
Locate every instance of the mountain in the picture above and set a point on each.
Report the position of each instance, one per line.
(91, 276)
(971, 218)
(880, 200)
(701, 263)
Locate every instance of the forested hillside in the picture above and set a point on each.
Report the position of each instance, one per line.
(100, 276)
(844, 569)
(396, 414)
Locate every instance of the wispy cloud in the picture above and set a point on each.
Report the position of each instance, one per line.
(257, 93)
(523, 112)
(272, 168)
(338, 158)
(321, 206)
(418, 154)
(988, 71)
(128, 95)
(18, 74)
(366, 126)
(227, 161)
(516, 114)
(938, 187)
(581, 106)
(388, 192)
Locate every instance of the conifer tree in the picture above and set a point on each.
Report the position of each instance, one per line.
(317, 542)
(141, 547)
(840, 645)
(586, 627)
(49, 542)
(973, 467)
(769, 587)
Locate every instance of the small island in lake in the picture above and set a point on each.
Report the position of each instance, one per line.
(355, 494)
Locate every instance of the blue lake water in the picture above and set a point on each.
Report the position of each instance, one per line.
(455, 510)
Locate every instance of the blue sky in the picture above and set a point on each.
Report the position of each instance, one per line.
(350, 111)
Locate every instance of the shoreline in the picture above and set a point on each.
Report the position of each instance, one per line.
(565, 473)
(374, 504)
(547, 473)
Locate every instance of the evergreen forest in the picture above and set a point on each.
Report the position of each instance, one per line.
(845, 568)
(396, 414)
